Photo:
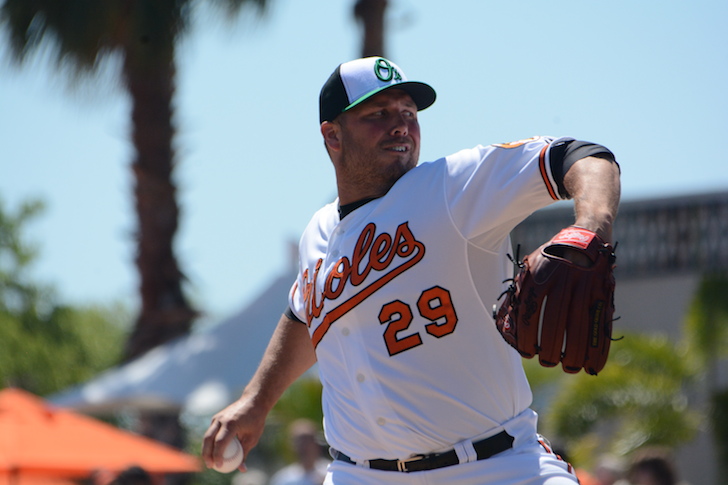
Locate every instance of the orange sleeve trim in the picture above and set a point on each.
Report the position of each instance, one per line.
(544, 173)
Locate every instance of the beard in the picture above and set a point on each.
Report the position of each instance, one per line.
(373, 171)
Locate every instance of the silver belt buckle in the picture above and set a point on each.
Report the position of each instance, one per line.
(402, 464)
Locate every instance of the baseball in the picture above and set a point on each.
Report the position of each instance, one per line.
(232, 457)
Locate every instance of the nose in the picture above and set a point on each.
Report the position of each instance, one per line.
(400, 125)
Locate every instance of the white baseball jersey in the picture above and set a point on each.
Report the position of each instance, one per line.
(398, 298)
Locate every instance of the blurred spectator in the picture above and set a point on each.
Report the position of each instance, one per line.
(310, 467)
(133, 475)
(608, 470)
(651, 466)
(101, 476)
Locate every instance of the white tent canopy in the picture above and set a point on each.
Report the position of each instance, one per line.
(199, 373)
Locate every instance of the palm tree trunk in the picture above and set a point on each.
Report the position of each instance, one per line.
(370, 13)
(165, 312)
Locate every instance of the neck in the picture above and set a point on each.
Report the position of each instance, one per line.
(357, 181)
(352, 195)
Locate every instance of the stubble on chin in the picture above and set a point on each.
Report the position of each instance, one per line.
(378, 173)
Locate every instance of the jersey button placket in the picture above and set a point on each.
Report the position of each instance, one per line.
(364, 382)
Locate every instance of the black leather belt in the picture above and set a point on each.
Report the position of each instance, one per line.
(484, 448)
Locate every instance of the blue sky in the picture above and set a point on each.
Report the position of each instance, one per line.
(647, 79)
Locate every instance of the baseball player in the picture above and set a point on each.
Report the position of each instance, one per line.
(396, 285)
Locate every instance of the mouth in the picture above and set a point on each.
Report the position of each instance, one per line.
(398, 148)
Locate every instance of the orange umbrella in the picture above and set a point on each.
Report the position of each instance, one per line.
(37, 440)
(10, 479)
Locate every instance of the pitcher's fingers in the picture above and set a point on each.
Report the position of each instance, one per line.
(208, 443)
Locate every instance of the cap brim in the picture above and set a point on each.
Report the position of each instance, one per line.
(422, 94)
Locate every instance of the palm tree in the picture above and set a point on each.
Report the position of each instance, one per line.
(370, 14)
(143, 33)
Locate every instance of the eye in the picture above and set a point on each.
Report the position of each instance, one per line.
(380, 113)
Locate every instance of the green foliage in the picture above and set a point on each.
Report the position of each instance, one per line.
(706, 333)
(640, 398)
(301, 400)
(637, 400)
(719, 418)
(46, 346)
(706, 324)
(47, 353)
(80, 35)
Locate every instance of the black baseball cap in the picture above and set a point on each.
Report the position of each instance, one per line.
(356, 81)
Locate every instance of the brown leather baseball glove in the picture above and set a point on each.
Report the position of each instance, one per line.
(559, 309)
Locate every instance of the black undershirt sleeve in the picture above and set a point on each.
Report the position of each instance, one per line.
(289, 313)
(564, 152)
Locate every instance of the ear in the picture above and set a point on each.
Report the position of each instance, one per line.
(332, 135)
